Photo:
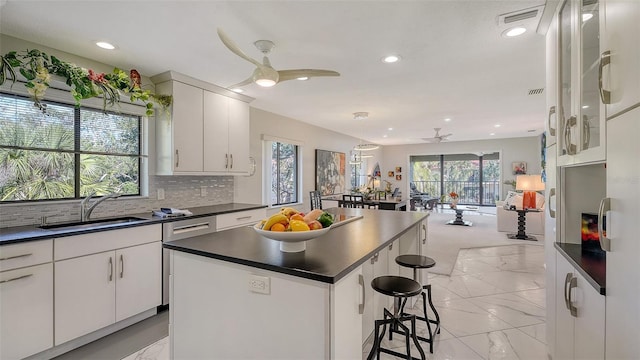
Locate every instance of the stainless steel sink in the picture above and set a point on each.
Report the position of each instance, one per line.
(93, 223)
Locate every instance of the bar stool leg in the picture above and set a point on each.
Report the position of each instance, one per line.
(433, 308)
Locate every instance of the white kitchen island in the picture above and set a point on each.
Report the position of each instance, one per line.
(235, 295)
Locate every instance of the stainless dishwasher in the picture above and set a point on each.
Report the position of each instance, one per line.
(181, 229)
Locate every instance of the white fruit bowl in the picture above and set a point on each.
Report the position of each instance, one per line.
(291, 241)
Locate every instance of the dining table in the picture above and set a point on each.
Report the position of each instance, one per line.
(380, 204)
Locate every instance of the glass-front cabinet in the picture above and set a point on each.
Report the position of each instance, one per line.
(581, 133)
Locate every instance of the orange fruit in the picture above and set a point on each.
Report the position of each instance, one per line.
(296, 217)
(277, 227)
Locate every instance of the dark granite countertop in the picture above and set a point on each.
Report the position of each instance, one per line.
(327, 258)
(592, 266)
(33, 232)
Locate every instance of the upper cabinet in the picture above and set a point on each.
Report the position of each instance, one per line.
(206, 130)
(551, 127)
(620, 52)
(581, 113)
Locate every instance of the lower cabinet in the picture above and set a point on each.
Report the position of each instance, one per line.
(26, 311)
(580, 315)
(97, 290)
(375, 302)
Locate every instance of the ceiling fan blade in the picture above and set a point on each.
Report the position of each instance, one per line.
(235, 49)
(432, 140)
(445, 136)
(298, 73)
(242, 83)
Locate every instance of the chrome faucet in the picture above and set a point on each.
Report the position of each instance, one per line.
(85, 212)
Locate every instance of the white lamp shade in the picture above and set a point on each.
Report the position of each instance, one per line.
(529, 182)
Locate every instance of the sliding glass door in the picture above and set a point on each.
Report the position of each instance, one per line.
(475, 178)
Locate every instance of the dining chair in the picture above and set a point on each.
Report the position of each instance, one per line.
(353, 201)
(316, 200)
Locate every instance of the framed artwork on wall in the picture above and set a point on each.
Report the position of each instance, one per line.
(398, 169)
(398, 177)
(390, 174)
(519, 168)
(330, 172)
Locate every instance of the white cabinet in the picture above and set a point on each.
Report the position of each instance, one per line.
(347, 303)
(623, 277)
(239, 218)
(551, 126)
(102, 278)
(226, 132)
(206, 130)
(550, 212)
(377, 265)
(582, 134)
(580, 315)
(179, 139)
(621, 78)
(26, 299)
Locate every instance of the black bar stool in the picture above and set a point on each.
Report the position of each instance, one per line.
(400, 288)
(421, 262)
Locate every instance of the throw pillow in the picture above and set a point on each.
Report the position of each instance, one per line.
(510, 199)
(539, 201)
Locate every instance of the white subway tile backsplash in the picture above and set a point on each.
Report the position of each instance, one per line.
(180, 192)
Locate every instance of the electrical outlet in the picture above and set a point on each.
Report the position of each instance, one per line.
(260, 284)
(203, 191)
(160, 194)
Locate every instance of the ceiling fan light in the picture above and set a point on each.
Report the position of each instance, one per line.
(265, 82)
(265, 78)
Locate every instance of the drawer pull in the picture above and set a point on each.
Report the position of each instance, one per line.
(189, 228)
(15, 257)
(14, 279)
(361, 283)
(110, 269)
(244, 218)
(121, 266)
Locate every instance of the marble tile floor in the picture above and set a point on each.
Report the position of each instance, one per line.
(492, 307)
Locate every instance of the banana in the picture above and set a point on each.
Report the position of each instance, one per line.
(276, 218)
(288, 211)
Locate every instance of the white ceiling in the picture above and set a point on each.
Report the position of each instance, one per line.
(455, 63)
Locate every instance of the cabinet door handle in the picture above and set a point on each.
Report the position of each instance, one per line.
(110, 269)
(231, 157)
(390, 246)
(552, 131)
(15, 257)
(567, 279)
(572, 285)
(424, 239)
(177, 158)
(226, 161)
(586, 132)
(605, 59)
(14, 279)
(121, 266)
(552, 193)
(361, 306)
(605, 242)
(569, 147)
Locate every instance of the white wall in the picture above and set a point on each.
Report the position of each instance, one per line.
(525, 149)
(248, 189)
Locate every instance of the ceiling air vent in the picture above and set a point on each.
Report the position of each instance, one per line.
(536, 91)
(526, 17)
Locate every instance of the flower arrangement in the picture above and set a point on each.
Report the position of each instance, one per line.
(37, 67)
(453, 195)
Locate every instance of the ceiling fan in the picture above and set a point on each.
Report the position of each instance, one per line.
(437, 138)
(264, 74)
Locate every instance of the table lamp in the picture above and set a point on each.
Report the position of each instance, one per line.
(529, 184)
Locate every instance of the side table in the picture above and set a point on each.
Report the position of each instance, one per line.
(521, 235)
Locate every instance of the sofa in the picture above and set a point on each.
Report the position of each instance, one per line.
(507, 220)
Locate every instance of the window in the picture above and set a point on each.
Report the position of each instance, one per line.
(284, 177)
(66, 153)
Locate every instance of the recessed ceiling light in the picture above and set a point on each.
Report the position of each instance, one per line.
(385, 135)
(105, 45)
(586, 16)
(447, 119)
(238, 90)
(585, 106)
(303, 78)
(389, 59)
(390, 129)
(516, 31)
(492, 134)
(497, 125)
(360, 115)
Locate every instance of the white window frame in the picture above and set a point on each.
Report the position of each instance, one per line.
(267, 141)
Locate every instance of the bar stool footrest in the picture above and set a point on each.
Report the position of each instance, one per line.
(395, 353)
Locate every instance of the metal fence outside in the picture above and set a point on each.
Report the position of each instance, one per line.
(468, 191)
